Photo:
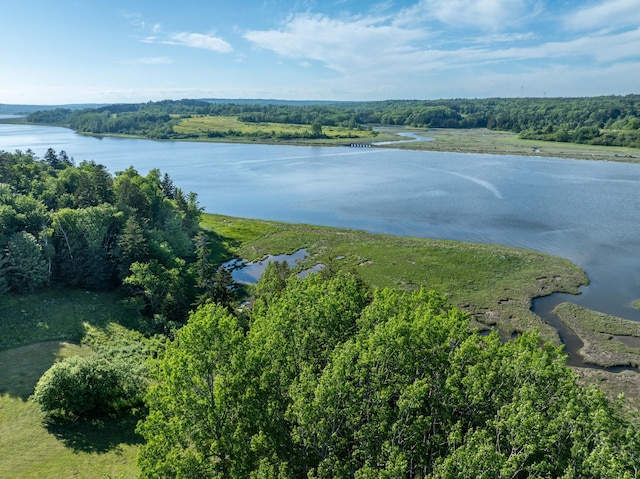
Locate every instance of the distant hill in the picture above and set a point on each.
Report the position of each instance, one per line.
(264, 101)
(8, 109)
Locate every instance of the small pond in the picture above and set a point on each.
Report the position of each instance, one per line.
(250, 273)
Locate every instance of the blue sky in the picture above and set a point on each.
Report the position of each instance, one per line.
(75, 51)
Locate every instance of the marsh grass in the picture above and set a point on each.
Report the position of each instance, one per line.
(481, 140)
(494, 284)
(608, 340)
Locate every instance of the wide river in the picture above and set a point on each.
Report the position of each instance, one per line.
(586, 211)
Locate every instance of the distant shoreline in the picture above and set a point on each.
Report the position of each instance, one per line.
(447, 140)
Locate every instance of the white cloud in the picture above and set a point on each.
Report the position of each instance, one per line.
(606, 15)
(199, 40)
(379, 48)
(340, 44)
(484, 14)
(193, 40)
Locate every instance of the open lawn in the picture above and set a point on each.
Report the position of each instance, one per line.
(32, 449)
(38, 330)
(57, 314)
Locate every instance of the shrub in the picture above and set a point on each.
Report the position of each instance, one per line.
(81, 387)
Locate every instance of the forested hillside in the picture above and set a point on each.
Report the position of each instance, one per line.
(605, 120)
(79, 226)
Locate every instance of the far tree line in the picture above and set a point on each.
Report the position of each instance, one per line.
(604, 120)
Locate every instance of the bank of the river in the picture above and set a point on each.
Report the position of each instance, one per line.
(484, 141)
(472, 140)
(607, 340)
(494, 284)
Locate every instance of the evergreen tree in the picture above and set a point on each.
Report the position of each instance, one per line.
(28, 269)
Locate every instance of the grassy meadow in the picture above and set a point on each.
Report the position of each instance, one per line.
(199, 127)
(38, 330)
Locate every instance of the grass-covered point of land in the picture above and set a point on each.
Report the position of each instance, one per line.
(494, 284)
(485, 141)
(608, 340)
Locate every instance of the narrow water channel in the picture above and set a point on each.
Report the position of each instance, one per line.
(544, 307)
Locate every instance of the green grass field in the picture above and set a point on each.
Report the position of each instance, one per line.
(199, 126)
(38, 330)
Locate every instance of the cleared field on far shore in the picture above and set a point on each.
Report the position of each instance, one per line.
(229, 128)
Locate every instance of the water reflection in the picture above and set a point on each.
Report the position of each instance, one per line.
(250, 273)
(412, 137)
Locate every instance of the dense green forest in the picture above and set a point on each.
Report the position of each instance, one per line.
(79, 226)
(319, 377)
(604, 120)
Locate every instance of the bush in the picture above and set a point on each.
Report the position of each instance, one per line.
(81, 387)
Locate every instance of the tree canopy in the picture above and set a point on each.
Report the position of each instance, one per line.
(331, 381)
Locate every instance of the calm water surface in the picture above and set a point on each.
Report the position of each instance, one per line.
(585, 211)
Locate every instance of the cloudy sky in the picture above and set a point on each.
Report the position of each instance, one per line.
(74, 51)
